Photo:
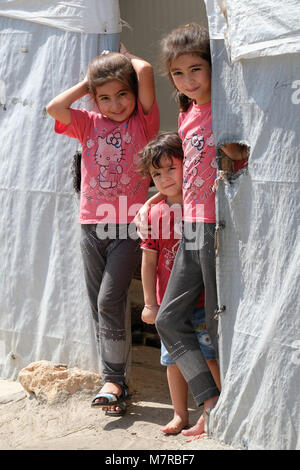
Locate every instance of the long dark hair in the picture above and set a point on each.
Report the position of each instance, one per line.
(76, 171)
(189, 39)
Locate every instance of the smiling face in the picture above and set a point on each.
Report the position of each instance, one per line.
(192, 76)
(168, 178)
(115, 100)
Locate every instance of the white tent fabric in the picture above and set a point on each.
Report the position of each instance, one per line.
(257, 29)
(44, 312)
(43, 307)
(257, 102)
(79, 16)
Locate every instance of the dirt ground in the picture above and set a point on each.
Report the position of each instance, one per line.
(71, 424)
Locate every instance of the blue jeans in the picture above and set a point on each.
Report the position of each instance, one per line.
(198, 321)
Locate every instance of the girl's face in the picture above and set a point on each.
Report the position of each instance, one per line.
(192, 76)
(168, 178)
(115, 100)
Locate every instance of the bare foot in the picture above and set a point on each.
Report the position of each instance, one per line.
(112, 408)
(197, 429)
(176, 425)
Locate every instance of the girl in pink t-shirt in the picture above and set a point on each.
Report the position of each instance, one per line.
(126, 117)
(186, 56)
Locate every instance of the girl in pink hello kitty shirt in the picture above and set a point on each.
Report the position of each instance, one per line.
(111, 192)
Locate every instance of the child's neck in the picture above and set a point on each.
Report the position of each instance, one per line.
(177, 199)
(203, 101)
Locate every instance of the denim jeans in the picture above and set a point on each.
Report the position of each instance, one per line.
(193, 270)
(109, 264)
(197, 319)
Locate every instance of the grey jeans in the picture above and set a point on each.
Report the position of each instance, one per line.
(109, 264)
(193, 269)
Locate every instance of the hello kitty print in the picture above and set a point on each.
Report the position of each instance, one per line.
(112, 190)
(109, 156)
(199, 164)
(110, 165)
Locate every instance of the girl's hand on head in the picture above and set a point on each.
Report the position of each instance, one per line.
(123, 49)
(149, 314)
(85, 83)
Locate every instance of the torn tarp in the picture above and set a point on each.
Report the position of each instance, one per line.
(257, 101)
(262, 28)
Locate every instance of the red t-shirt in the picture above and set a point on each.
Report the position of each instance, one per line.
(165, 232)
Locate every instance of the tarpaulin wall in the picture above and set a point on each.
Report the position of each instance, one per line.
(45, 48)
(256, 100)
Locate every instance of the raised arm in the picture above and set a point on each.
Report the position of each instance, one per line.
(59, 107)
(145, 76)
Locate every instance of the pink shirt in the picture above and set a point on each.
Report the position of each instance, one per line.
(199, 164)
(164, 238)
(111, 189)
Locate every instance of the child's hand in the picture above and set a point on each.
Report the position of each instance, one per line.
(149, 314)
(141, 221)
(85, 83)
(236, 151)
(123, 49)
(141, 218)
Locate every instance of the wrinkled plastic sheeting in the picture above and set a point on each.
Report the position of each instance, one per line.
(260, 29)
(43, 301)
(257, 101)
(217, 23)
(79, 16)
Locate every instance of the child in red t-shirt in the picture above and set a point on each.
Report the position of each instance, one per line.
(162, 159)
